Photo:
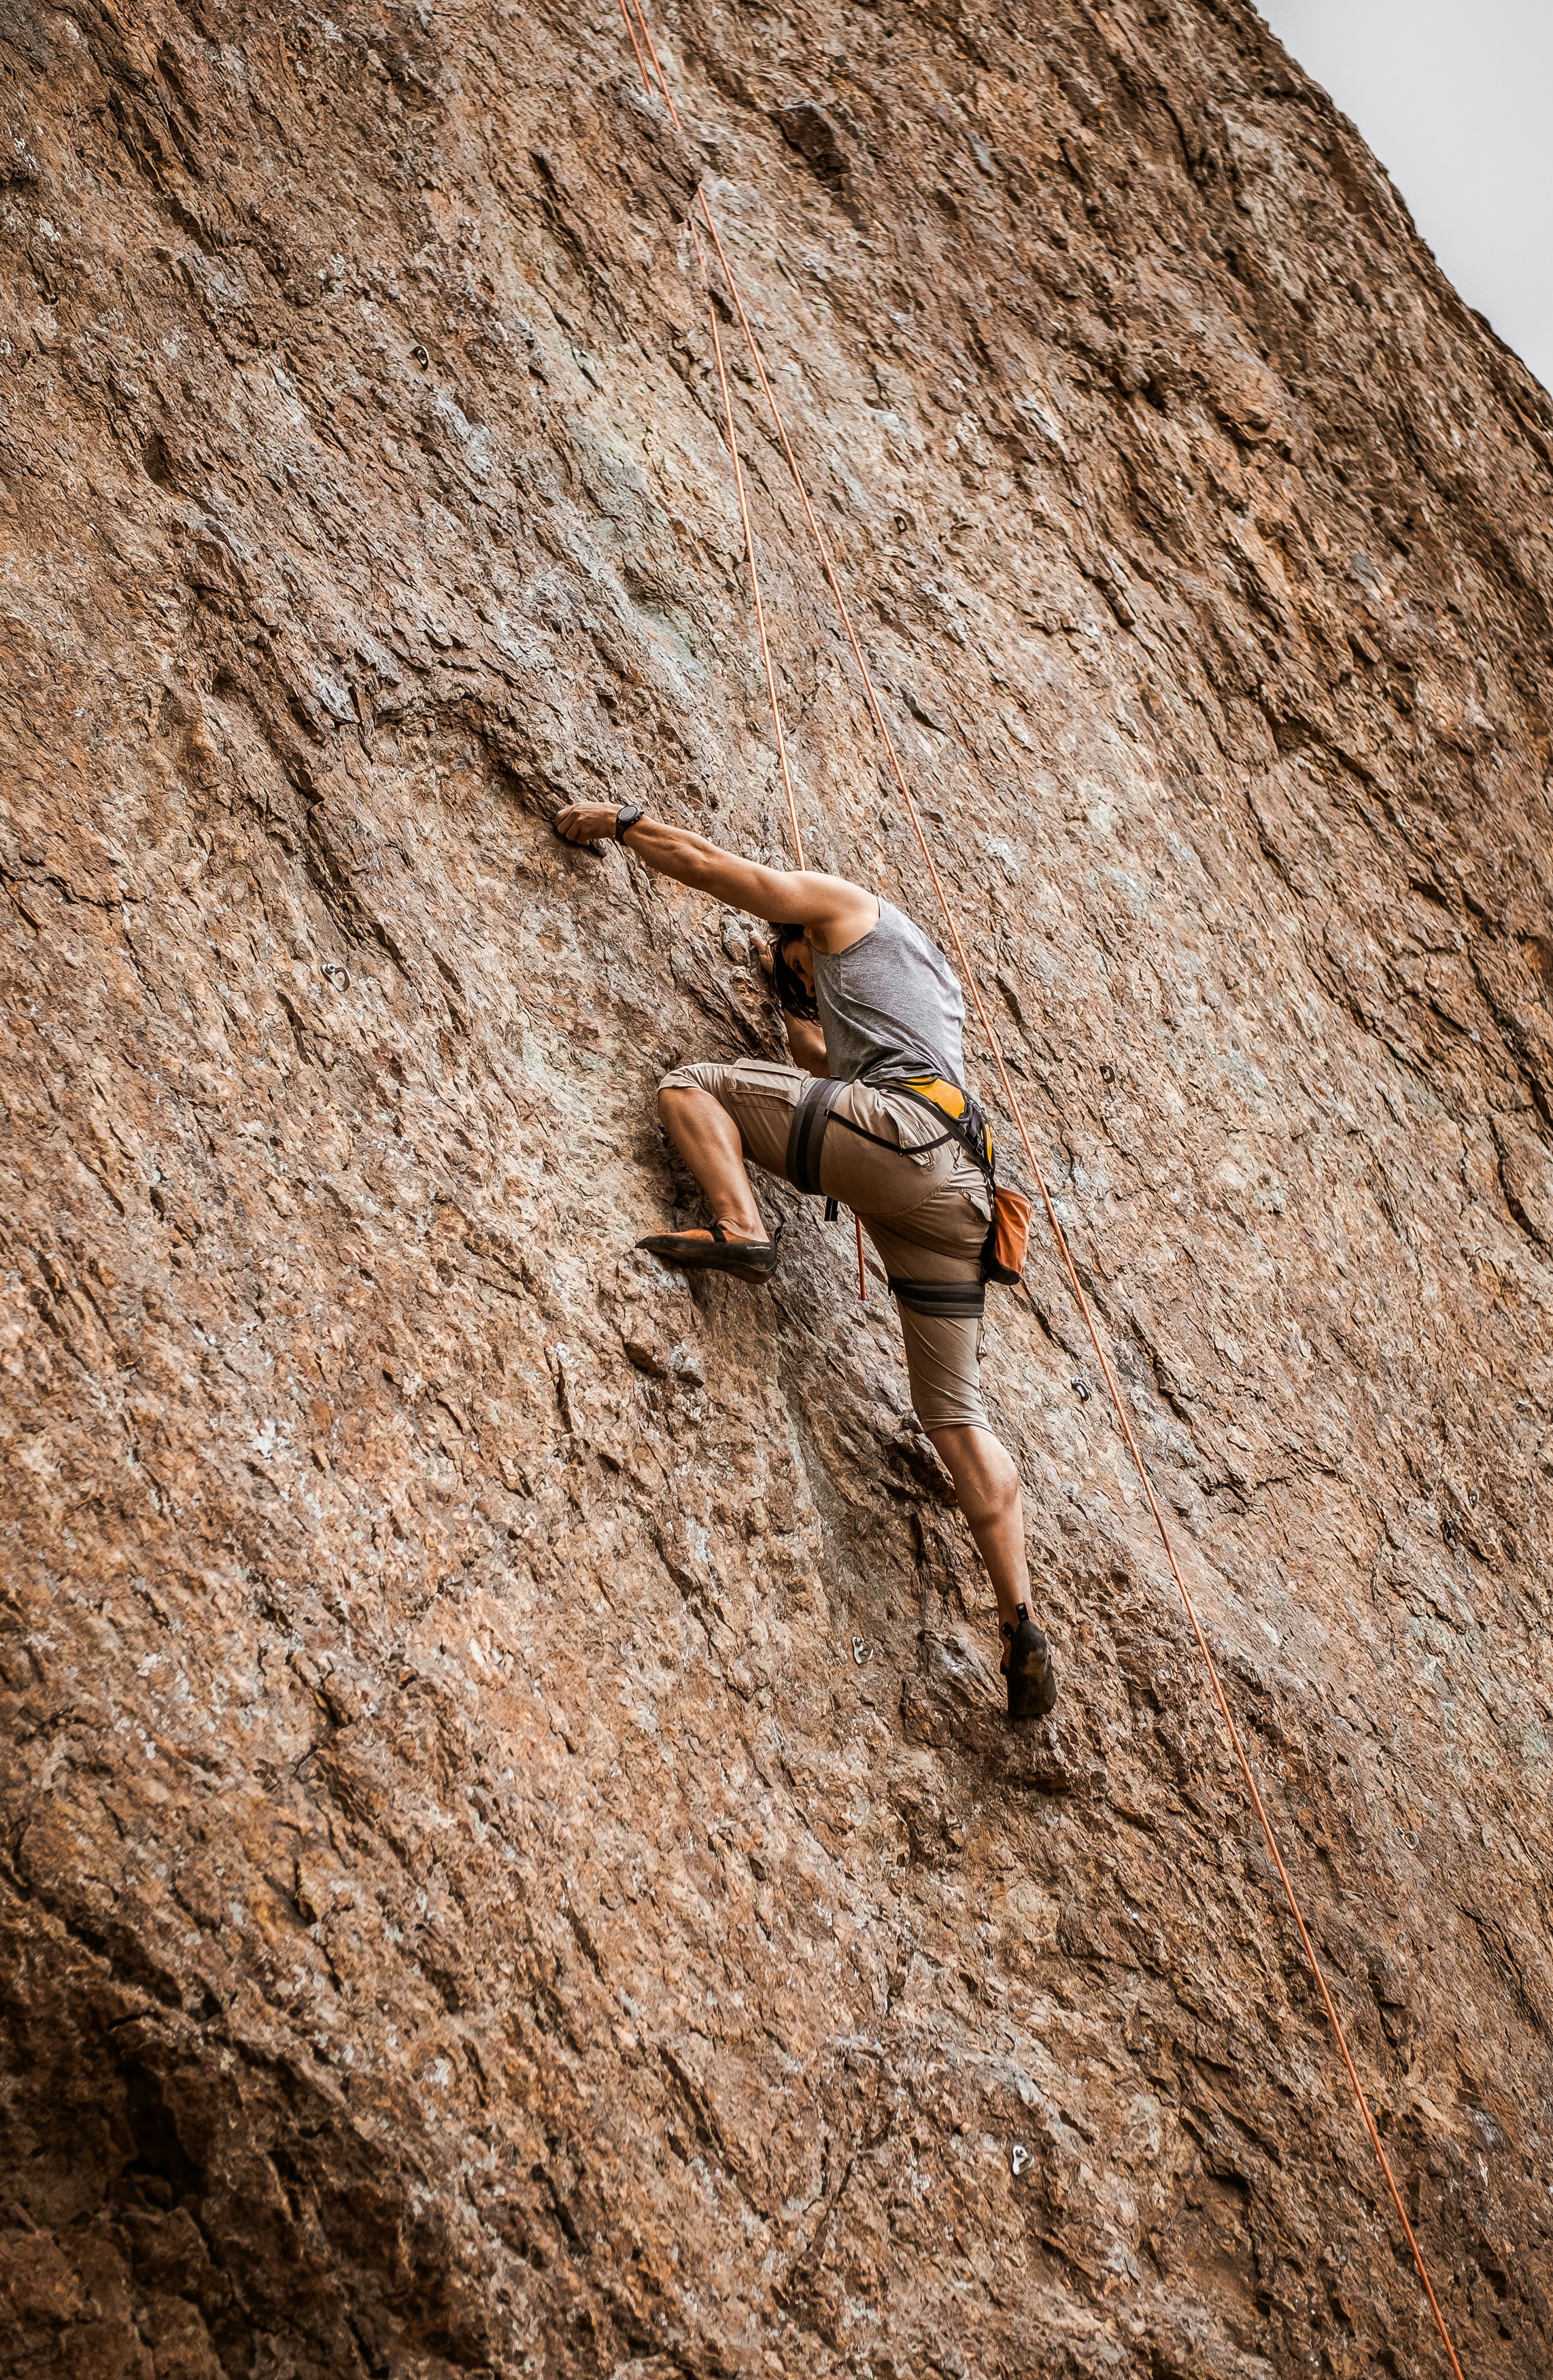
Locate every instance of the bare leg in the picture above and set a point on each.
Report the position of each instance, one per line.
(708, 1139)
(987, 1487)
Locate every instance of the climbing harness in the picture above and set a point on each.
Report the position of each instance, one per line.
(966, 1121)
(806, 1133)
(1008, 1237)
(1003, 1251)
(636, 9)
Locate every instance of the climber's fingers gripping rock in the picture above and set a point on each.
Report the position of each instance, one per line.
(588, 822)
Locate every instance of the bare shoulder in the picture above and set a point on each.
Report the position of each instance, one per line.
(842, 913)
(833, 911)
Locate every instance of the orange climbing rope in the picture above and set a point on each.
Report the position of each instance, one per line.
(754, 565)
(1015, 1109)
(748, 528)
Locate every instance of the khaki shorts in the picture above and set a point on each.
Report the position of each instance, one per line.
(926, 1210)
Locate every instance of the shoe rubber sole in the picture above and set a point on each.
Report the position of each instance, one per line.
(745, 1259)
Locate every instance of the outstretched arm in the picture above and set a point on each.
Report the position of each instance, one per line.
(833, 911)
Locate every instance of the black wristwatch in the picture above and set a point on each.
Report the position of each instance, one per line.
(628, 815)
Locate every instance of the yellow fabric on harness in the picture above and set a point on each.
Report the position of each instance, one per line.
(947, 1096)
(951, 1103)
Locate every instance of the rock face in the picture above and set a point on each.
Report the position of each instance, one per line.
(511, 1862)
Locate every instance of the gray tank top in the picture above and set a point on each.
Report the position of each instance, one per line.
(891, 1005)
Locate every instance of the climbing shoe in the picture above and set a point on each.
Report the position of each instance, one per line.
(713, 1251)
(1026, 1664)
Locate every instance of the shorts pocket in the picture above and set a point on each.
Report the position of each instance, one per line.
(909, 1129)
(763, 1079)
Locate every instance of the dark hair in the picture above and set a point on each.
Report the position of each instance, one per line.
(792, 995)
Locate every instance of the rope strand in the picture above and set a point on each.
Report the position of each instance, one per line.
(754, 566)
(749, 528)
(1015, 1109)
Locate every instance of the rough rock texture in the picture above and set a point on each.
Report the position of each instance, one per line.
(511, 1861)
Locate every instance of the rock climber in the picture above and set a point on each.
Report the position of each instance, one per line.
(870, 1007)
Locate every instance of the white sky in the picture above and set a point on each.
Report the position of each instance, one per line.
(1455, 97)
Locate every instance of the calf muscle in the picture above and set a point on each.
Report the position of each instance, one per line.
(986, 1485)
(709, 1142)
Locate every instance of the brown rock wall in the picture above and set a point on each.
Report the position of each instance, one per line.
(511, 1861)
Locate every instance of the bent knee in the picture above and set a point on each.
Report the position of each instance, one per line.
(1002, 1481)
(691, 1094)
(952, 1404)
(981, 1464)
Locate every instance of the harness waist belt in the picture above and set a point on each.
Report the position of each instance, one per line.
(805, 1135)
(955, 1300)
(959, 1111)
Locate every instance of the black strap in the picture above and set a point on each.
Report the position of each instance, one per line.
(813, 1117)
(953, 1300)
(720, 1236)
(805, 1135)
(970, 1130)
